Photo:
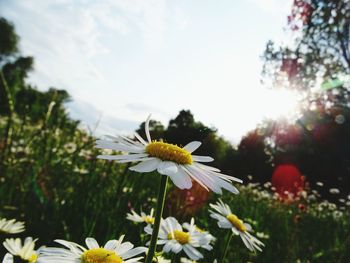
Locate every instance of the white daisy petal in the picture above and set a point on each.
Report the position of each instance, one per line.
(140, 138)
(91, 243)
(192, 146)
(248, 227)
(129, 157)
(227, 177)
(176, 248)
(161, 241)
(194, 177)
(123, 248)
(146, 166)
(181, 179)
(234, 230)
(205, 179)
(226, 185)
(147, 129)
(224, 224)
(167, 168)
(193, 253)
(206, 167)
(8, 258)
(118, 147)
(111, 245)
(246, 242)
(168, 246)
(202, 159)
(124, 140)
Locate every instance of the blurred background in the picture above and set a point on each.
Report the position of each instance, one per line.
(263, 84)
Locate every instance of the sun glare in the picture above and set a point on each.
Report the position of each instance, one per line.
(281, 104)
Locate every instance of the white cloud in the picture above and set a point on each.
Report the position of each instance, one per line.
(66, 37)
(97, 121)
(69, 33)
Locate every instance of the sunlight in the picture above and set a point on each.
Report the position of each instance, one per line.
(281, 103)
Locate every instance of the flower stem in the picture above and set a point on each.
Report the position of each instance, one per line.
(158, 217)
(228, 240)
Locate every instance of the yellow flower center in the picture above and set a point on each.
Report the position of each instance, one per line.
(236, 222)
(169, 152)
(179, 236)
(33, 258)
(100, 255)
(148, 219)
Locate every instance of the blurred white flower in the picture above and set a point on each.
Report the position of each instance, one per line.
(319, 184)
(11, 226)
(135, 217)
(15, 248)
(262, 235)
(175, 239)
(205, 237)
(226, 219)
(334, 191)
(337, 214)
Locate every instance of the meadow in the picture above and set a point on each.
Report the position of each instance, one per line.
(52, 180)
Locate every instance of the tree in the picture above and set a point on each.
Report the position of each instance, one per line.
(317, 64)
(13, 67)
(8, 39)
(156, 130)
(184, 129)
(321, 50)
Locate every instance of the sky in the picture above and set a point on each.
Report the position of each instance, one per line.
(122, 60)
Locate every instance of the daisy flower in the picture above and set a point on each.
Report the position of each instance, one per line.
(11, 226)
(114, 251)
(168, 159)
(226, 219)
(175, 239)
(15, 248)
(135, 217)
(205, 237)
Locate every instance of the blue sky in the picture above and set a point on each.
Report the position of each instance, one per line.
(123, 59)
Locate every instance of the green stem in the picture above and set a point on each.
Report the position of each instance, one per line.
(158, 217)
(228, 240)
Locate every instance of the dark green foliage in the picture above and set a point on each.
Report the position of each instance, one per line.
(323, 49)
(8, 39)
